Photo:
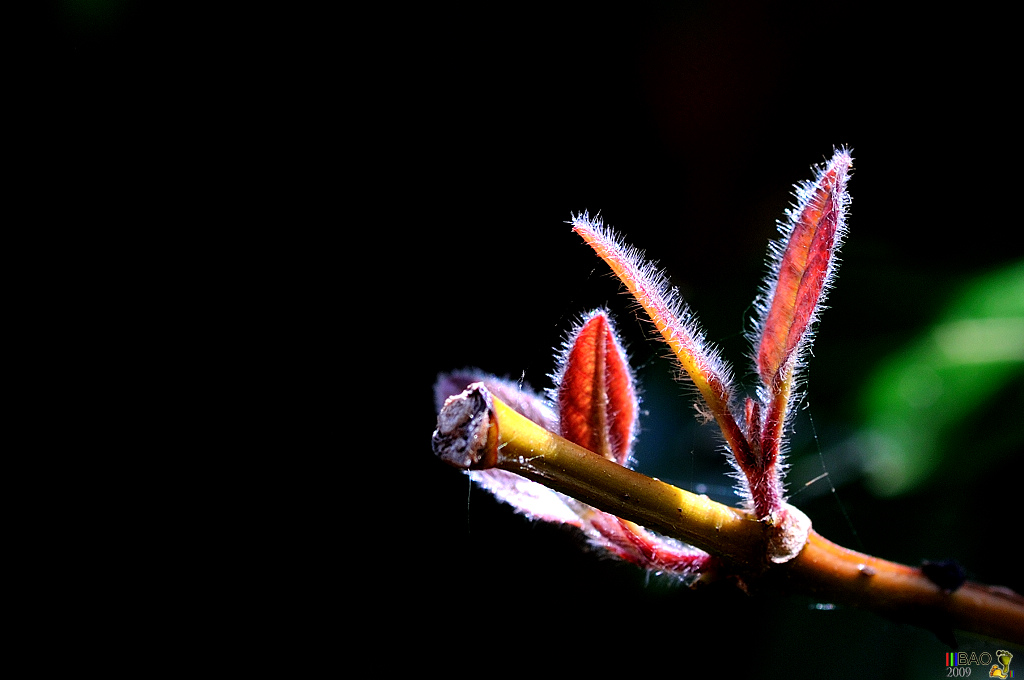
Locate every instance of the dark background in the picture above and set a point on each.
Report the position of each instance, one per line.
(369, 199)
(685, 126)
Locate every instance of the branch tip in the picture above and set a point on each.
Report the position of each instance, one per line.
(467, 431)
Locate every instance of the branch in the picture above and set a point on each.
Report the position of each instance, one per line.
(477, 430)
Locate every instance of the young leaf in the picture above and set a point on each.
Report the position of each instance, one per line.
(597, 409)
(595, 392)
(803, 264)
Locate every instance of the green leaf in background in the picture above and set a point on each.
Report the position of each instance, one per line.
(931, 400)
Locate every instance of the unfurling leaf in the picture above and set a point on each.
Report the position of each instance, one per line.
(803, 263)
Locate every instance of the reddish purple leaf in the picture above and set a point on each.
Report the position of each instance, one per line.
(804, 264)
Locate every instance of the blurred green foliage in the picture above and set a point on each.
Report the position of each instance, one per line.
(91, 16)
(933, 401)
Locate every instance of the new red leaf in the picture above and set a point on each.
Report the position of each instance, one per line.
(597, 404)
(804, 262)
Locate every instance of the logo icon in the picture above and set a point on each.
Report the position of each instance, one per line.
(1001, 669)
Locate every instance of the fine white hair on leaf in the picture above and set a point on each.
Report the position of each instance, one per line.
(529, 498)
(700, 363)
(654, 291)
(801, 271)
(741, 483)
(561, 363)
(803, 193)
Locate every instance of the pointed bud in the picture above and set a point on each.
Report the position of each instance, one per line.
(595, 392)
